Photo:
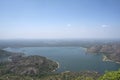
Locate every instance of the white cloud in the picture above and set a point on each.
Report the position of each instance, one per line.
(104, 26)
(69, 25)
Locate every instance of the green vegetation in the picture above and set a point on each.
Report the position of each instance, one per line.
(53, 76)
(112, 75)
(84, 78)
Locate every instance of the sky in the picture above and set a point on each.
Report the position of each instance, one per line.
(59, 19)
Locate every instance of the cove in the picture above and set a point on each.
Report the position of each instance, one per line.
(70, 58)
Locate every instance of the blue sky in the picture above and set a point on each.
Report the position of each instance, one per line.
(59, 19)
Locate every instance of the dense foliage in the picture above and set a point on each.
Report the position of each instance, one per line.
(109, 75)
(113, 75)
(53, 76)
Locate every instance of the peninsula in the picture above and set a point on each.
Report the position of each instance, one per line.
(26, 65)
(111, 51)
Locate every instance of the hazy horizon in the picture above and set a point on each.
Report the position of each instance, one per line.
(59, 19)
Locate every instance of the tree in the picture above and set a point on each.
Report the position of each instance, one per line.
(84, 78)
(112, 75)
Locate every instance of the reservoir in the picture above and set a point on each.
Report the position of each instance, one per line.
(70, 58)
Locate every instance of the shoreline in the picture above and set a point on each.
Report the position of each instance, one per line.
(105, 58)
(57, 66)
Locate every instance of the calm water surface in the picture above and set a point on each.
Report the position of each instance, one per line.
(70, 58)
